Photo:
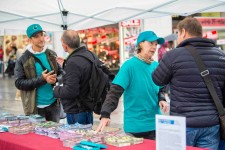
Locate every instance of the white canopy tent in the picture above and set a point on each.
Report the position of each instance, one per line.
(83, 14)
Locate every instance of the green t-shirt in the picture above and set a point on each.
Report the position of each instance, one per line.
(44, 95)
(140, 95)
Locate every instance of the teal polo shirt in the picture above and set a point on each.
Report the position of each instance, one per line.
(140, 95)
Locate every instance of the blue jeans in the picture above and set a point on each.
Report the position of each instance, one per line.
(222, 145)
(81, 118)
(208, 137)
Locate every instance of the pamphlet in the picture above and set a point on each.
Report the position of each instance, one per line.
(170, 132)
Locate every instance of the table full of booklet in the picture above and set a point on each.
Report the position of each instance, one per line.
(71, 135)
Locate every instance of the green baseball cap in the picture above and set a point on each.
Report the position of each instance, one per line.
(149, 36)
(33, 29)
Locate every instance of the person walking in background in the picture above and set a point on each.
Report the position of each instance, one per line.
(1, 58)
(35, 73)
(189, 94)
(74, 91)
(11, 62)
(162, 50)
(19, 53)
(142, 98)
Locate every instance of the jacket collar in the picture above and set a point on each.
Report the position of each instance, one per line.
(29, 47)
(197, 42)
(82, 48)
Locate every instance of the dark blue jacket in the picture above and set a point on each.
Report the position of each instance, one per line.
(189, 94)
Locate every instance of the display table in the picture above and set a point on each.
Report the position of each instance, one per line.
(32, 141)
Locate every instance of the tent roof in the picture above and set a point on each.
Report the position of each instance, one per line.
(83, 14)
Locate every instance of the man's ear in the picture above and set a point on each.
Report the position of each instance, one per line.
(29, 40)
(183, 33)
(141, 44)
(64, 45)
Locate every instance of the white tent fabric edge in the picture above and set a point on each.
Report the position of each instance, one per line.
(85, 14)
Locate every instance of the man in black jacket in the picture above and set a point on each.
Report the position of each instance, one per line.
(189, 95)
(75, 87)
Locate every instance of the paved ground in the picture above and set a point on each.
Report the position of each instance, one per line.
(7, 97)
(9, 104)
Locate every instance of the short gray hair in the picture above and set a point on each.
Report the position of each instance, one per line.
(71, 38)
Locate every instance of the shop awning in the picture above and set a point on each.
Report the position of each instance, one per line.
(83, 14)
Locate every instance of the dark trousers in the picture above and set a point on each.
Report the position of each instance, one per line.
(222, 145)
(146, 135)
(51, 112)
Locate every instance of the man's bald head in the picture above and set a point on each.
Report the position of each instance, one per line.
(71, 38)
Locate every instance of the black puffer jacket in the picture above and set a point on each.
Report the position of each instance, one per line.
(75, 82)
(189, 94)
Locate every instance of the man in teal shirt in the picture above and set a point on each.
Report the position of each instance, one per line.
(35, 73)
(142, 98)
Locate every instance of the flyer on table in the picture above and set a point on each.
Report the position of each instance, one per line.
(170, 132)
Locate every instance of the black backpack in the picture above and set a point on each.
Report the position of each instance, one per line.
(99, 83)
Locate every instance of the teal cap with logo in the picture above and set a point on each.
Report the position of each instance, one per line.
(33, 29)
(149, 36)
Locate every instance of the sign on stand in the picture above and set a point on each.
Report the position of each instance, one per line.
(170, 133)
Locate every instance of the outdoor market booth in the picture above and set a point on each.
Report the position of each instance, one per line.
(56, 16)
(35, 133)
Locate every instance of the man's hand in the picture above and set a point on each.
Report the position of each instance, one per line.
(60, 60)
(104, 122)
(164, 106)
(49, 77)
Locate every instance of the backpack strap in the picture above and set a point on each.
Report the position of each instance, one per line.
(98, 63)
(204, 72)
(93, 60)
(36, 59)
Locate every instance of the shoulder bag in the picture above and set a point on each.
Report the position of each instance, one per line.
(204, 72)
